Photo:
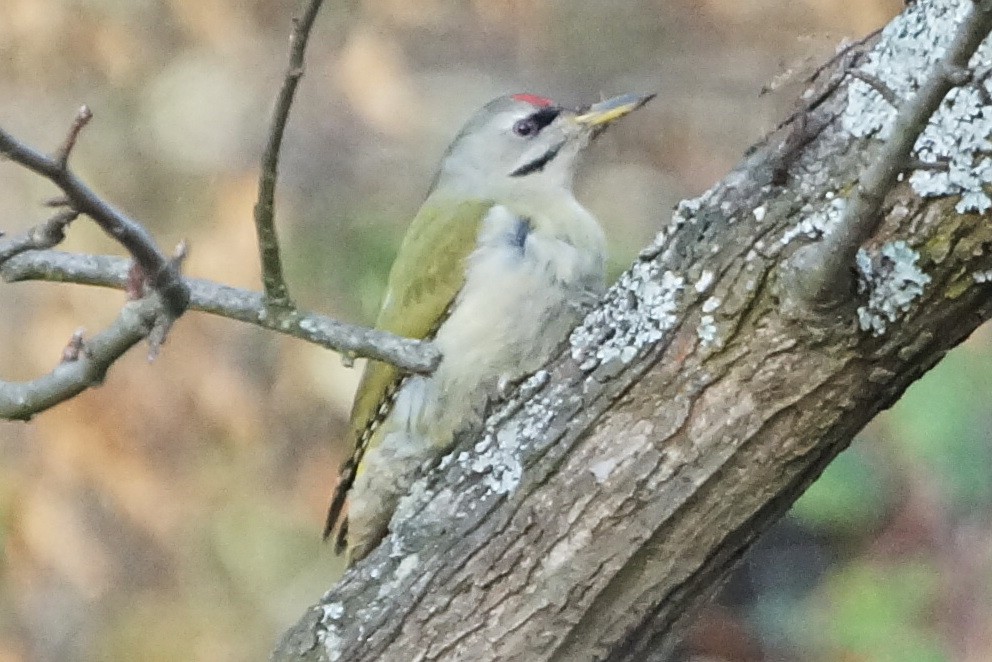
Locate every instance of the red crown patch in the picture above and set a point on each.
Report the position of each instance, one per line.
(534, 100)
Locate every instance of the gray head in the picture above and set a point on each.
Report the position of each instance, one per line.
(525, 143)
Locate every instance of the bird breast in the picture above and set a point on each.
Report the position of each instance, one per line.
(524, 288)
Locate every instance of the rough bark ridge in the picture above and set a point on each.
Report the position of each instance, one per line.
(621, 484)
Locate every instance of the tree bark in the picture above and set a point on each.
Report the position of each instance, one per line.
(615, 489)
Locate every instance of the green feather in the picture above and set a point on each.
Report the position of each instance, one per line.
(427, 274)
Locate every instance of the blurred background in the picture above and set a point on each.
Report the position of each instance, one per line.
(174, 513)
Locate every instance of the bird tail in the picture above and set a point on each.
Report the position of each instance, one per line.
(345, 480)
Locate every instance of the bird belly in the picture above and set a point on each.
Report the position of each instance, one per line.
(523, 294)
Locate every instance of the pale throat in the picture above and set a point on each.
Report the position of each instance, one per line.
(558, 215)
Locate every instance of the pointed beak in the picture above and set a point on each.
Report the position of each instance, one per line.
(598, 115)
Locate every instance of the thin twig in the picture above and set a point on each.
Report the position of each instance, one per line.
(129, 233)
(942, 165)
(842, 54)
(242, 305)
(273, 280)
(58, 201)
(83, 116)
(980, 78)
(86, 366)
(48, 234)
(819, 274)
(85, 363)
(846, 57)
(878, 85)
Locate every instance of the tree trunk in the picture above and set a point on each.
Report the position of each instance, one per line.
(617, 488)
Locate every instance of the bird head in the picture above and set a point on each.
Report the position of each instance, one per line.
(525, 144)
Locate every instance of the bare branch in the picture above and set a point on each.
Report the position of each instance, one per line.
(83, 116)
(273, 281)
(819, 275)
(878, 85)
(152, 318)
(980, 78)
(242, 305)
(84, 363)
(941, 165)
(58, 201)
(839, 65)
(129, 233)
(46, 235)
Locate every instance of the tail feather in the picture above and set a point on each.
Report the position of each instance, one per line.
(349, 470)
(345, 481)
(341, 541)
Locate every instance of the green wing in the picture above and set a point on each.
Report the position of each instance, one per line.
(427, 274)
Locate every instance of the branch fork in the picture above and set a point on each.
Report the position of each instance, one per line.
(818, 278)
(164, 300)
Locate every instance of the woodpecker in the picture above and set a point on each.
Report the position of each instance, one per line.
(496, 268)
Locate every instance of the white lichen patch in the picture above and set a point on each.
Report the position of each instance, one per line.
(406, 567)
(759, 213)
(686, 210)
(956, 139)
(533, 383)
(816, 222)
(496, 457)
(983, 276)
(684, 214)
(501, 471)
(639, 308)
(332, 611)
(601, 470)
(704, 282)
(711, 304)
(956, 136)
(707, 330)
(892, 280)
(904, 56)
(332, 645)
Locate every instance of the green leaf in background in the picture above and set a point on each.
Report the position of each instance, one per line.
(850, 496)
(943, 423)
(350, 263)
(877, 613)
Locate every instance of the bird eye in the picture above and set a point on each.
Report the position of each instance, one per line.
(525, 127)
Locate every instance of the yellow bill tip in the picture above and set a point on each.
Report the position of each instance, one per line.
(613, 109)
